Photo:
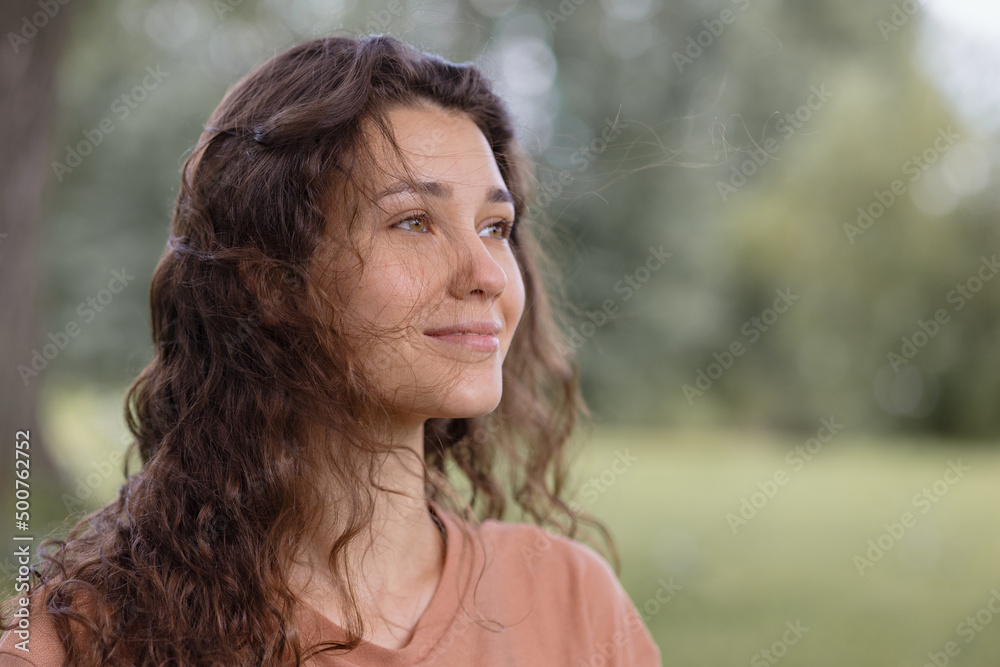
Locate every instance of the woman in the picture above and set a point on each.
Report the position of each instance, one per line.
(349, 313)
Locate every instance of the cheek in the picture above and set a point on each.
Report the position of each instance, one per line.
(389, 291)
(514, 296)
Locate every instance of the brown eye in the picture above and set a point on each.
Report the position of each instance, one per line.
(506, 228)
(420, 218)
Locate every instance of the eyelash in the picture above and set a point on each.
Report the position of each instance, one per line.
(508, 225)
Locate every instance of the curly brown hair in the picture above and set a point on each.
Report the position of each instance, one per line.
(189, 564)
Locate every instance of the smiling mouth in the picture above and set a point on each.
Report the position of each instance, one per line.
(470, 341)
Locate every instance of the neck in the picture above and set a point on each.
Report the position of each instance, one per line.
(395, 569)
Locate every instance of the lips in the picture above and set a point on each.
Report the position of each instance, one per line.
(471, 328)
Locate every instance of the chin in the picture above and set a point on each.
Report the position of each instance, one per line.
(457, 407)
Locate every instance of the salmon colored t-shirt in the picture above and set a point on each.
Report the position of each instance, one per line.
(543, 600)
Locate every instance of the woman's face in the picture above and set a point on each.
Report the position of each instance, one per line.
(437, 256)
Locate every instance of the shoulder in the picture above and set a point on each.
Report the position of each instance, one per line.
(558, 565)
(542, 550)
(36, 641)
(574, 578)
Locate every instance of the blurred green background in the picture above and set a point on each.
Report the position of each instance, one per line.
(821, 178)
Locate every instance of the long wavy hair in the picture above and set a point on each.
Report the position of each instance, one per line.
(252, 369)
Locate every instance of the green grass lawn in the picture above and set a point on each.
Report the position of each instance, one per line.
(793, 561)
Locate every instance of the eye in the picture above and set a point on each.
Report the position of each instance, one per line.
(506, 228)
(419, 217)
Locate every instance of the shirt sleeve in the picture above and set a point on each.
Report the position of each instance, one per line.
(44, 646)
(11, 657)
(619, 633)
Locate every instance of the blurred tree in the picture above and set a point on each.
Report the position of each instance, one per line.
(28, 63)
(689, 128)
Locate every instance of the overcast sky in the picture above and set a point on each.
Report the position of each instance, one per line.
(961, 48)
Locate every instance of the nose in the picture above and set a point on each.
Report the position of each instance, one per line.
(473, 266)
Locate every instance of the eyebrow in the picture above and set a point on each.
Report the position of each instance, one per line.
(495, 195)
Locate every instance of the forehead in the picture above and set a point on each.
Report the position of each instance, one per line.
(434, 144)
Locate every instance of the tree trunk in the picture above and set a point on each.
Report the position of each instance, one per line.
(33, 34)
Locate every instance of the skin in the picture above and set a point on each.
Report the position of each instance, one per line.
(453, 266)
